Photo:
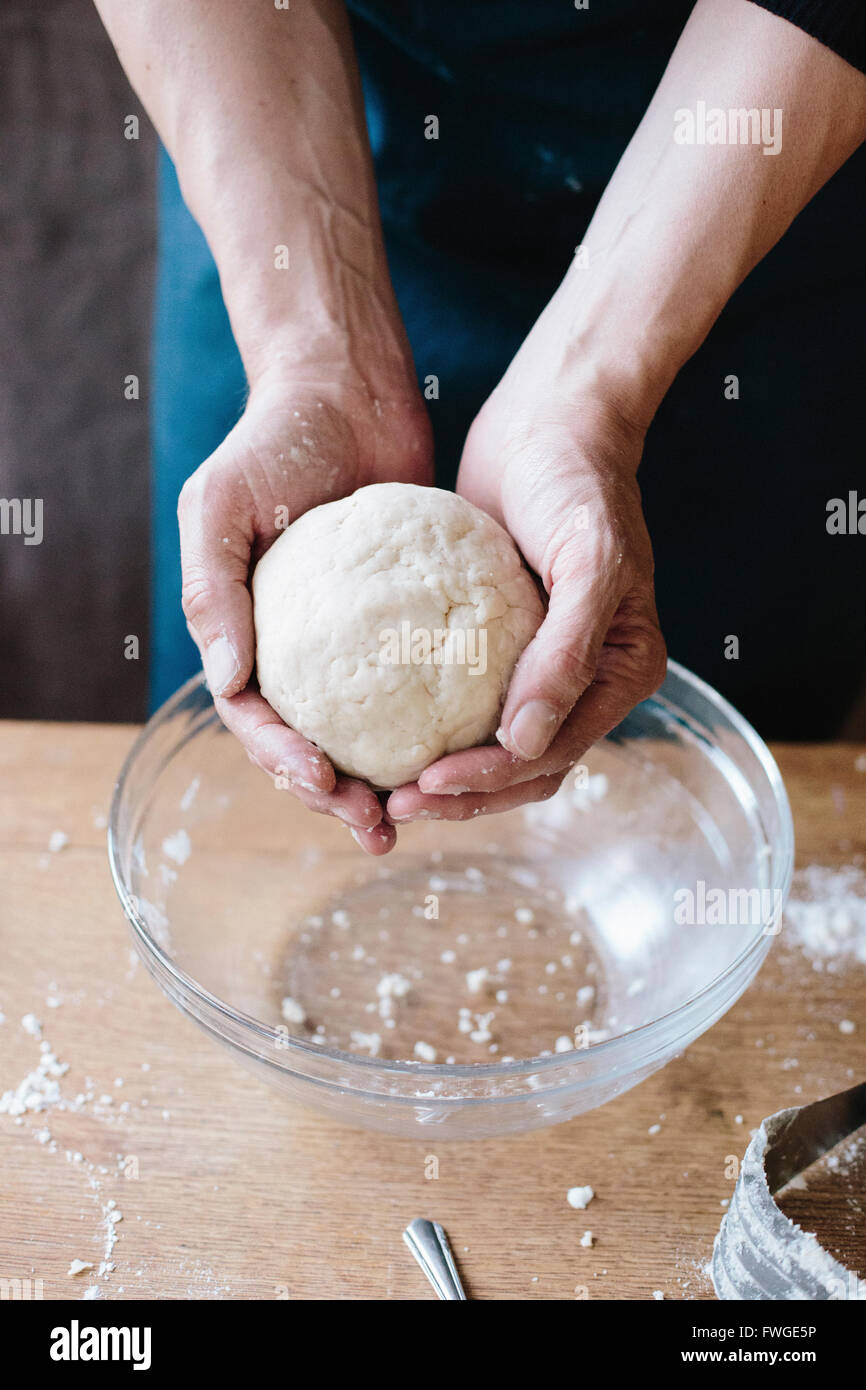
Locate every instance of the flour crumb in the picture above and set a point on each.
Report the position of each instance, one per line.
(31, 1024)
(389, 988)
(370, 1042)
(177, 847)
(579, 1197)
(826, 916)
(57, 841)
(658, 1294)
(587, 1239)
(481, 1033)
(292, 1011)
(847, 1026)
(78, 1267)
(477, 979)
(190, 794)
(425, 1052)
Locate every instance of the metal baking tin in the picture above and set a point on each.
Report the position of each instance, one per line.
(759, 1253)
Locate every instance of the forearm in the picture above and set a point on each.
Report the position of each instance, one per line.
(261, 110)
(681, 225)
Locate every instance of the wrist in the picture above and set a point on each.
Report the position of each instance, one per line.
(301, 298)
(627, 316)
(326, 342)
(301, 259)
(602, 340)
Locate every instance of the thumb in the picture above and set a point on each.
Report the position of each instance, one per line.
(215, 546)
(561, 660)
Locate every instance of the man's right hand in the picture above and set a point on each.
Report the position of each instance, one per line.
(300, 442)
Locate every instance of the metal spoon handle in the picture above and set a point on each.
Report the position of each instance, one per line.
(429, 1244)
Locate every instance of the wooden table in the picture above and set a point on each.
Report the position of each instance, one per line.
(228, 1191)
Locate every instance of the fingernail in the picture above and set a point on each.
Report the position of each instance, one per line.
(532, 728)
(450, 789)
(220, 665)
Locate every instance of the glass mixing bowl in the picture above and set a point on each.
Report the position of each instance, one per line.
(487, 976)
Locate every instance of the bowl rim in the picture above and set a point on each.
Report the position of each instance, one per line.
(404, 1067)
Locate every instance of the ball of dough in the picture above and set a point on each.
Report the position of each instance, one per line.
(387, 627)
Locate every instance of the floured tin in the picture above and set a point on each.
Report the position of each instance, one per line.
(759, 1253)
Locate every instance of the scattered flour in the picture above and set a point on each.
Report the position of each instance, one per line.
(389, 988)
(292, 1011)
(477, 979)
(481, 1032)
(40, 1088)
(826, 916)
(190, 794)
(370, 1042)
(177, 847)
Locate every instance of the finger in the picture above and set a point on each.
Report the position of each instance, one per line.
(631, 666)
(378, 840)
(279, 750)
(561, 660)
(352, 801)
(409, 803)
(283, 754)
(484, 769)
(215, 545)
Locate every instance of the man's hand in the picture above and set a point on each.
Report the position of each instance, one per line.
(679, 227)
(299, 443)
(562, 482)
(262, 112)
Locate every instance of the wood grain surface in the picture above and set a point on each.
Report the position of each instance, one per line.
(229, 1192)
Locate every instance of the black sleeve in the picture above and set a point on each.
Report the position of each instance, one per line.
(838, 24)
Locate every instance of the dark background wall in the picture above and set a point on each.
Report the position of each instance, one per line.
(76, 262)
